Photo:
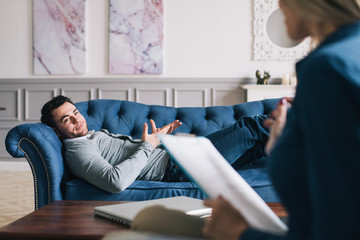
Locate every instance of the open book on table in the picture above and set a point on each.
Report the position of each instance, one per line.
(214, 175)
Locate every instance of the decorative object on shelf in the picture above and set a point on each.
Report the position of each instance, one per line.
(59, 37)
(289, 79)
(136, 37)
(285, 79)
(262, 78)
(271, 41)
(293, 80)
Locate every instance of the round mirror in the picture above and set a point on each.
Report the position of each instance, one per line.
(276, 30)
(271, 41)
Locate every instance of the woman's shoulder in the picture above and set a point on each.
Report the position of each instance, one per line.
(338, 54)
(331, 62)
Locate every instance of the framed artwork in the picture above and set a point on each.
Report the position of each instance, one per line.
(59, 45)
(136, 37)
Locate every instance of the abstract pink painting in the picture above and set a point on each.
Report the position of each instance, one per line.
(136, 37)
(59, 37)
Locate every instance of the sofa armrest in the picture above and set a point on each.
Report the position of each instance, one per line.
(41, 147)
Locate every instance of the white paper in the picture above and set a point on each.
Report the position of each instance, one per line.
(215, 176)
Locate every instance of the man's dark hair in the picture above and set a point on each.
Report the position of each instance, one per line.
(46, 111)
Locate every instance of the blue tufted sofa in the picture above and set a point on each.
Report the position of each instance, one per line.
(41, 147)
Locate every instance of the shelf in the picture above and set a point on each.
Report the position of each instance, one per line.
(259, 92)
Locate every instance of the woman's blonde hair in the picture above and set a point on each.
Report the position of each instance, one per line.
(325, 13)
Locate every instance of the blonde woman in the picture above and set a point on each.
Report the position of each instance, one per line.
(314, 146)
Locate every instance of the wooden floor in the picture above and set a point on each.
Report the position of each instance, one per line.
(16, 195)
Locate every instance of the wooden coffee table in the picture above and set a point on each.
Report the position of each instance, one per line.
(72, 220)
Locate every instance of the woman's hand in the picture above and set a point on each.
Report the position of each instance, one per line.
(152, 138)
(276, 122)
(225, 221)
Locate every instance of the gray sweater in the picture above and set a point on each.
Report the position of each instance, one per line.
(112, 162)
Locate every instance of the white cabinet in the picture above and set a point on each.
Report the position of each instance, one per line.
(258, 92)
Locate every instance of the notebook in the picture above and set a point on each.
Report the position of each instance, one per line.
(201, 161)
(125, 212)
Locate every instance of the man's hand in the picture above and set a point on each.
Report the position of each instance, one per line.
(225, 221)
(276, 122)
(152, 138)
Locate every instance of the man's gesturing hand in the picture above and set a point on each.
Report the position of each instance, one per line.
(152, 138)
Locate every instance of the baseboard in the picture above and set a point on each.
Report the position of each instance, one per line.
(14, 166)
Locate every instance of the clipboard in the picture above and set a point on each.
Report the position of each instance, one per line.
(201, 161)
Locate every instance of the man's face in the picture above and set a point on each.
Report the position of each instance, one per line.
(69, 121)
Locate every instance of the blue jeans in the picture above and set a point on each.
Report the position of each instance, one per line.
(240, 144)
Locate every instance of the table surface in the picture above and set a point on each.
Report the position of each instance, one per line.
(72, 220)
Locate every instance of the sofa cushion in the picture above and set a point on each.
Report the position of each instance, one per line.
(77, 189)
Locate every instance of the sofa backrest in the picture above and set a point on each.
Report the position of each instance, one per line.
(127, 118)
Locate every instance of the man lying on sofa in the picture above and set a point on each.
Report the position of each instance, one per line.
(112, 162)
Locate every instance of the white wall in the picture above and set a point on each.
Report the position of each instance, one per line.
(203, 38)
